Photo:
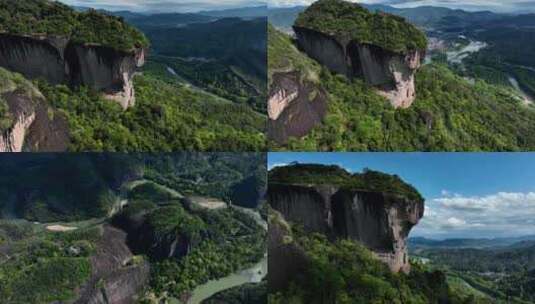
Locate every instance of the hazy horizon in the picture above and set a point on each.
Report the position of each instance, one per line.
(489, 195)
(167, 6)
(498, 6)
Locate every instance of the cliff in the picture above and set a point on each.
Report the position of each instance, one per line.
(49, 40)
(117, 277)
(380, 220)
(297, 102)
(383, 49)
(63, 61)
(295, 106)
(26, 120)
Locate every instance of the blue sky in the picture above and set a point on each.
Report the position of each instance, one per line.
(467, 194)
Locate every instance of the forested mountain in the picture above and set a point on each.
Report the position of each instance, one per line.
(480, 114)
(75, 226)
(188, 98)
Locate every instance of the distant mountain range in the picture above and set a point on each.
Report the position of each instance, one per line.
(424, 243)
(425, 16)
(242, 12)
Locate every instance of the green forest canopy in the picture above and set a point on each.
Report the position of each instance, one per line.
(350, 21)
(368, 180)
(42, 17)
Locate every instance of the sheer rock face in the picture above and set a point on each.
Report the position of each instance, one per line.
(285, 258)
(295, 106)
(33, 128)
(60, 61)
(380, 221)
(392, 73)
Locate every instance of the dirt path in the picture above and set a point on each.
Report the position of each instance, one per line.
(60, 228)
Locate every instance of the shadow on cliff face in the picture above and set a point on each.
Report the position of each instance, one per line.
(116, 277)
(378, 220)
(295, 106)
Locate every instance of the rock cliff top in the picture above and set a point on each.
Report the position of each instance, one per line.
(50, 18)
(350, 21)
(369, 180)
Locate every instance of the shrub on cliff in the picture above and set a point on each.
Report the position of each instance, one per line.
(42, 17)
(350, 21)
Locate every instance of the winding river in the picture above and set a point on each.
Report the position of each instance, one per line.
(472, 47)
(253, 274)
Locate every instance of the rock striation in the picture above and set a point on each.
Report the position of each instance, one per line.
(62, 61)
(380, 221)
(391, 72)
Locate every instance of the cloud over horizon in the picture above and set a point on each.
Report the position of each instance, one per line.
(502, 214)
(165, 5)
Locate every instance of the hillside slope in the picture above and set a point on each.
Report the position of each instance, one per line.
(449, 114)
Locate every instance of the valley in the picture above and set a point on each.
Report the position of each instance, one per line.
(106, 82)
(498, 270)
(466, 51)
(140, 227)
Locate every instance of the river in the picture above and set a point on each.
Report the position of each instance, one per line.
(472, 47)
(253, 274)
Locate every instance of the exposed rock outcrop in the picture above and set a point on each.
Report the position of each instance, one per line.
(391, 72)
(34, 127)
(116, 277)
(59, 60)
(295, 106)
(380, 221)
(285, 258)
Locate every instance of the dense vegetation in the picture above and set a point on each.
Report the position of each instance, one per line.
(47, 187)
(40, 266)
(226, 57)
(324, 174)
(231, 240)
(186, 245)
(368, 180)
(349, 21)
(346, 272)
(166, 117)
(210, 244)
(449, 114)
(42, 17)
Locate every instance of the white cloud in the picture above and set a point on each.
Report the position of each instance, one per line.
(271, 166)
(494, 215)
